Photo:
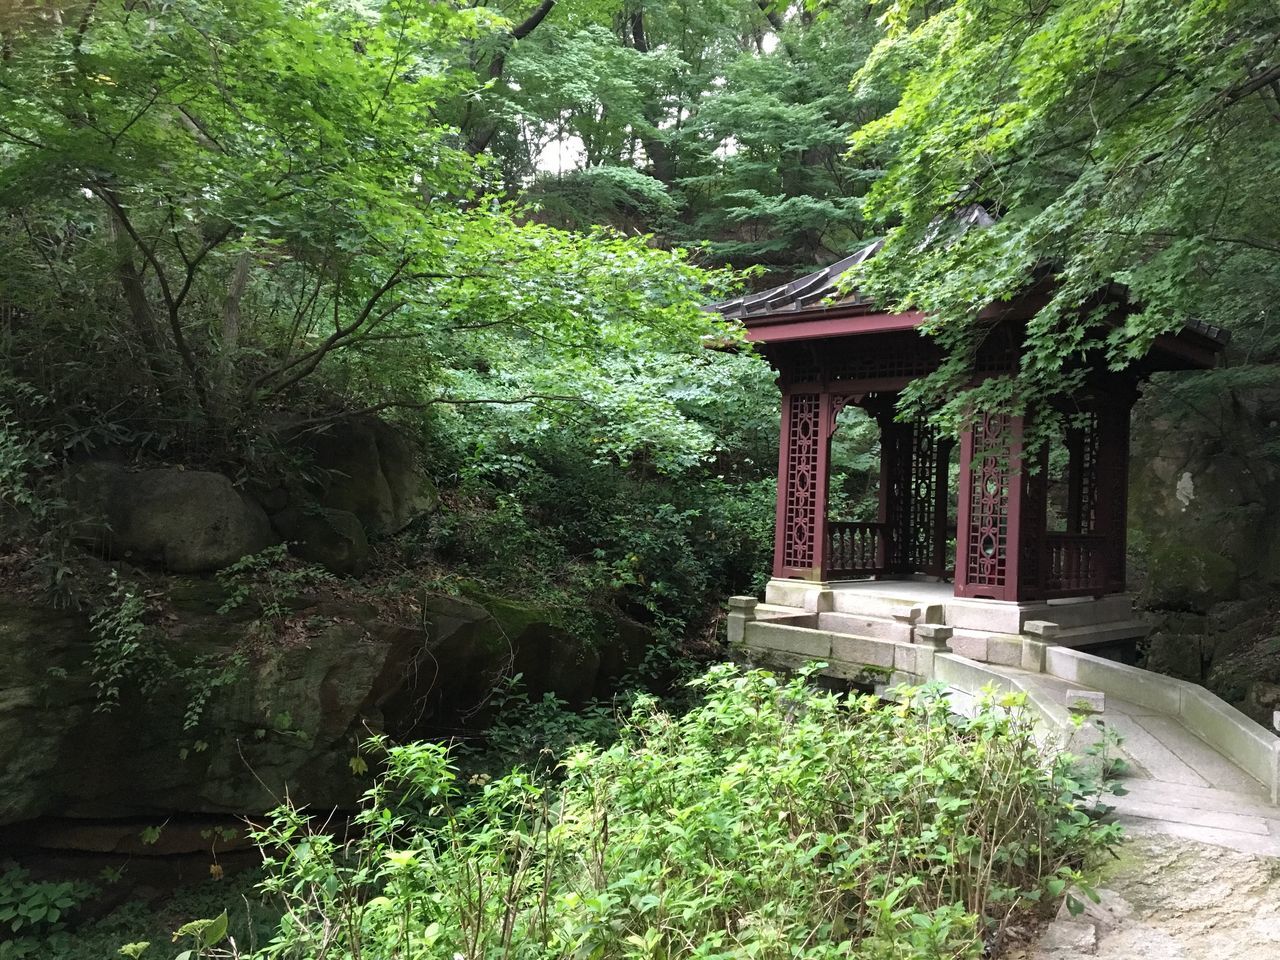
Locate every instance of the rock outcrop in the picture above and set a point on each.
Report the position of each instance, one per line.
(1204, 508)
(1204, 500)
(180, 521)
(367, 467)
(335, 539)
(294, 714)
(356, 480)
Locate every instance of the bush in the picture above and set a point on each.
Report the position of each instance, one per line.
(770, 821)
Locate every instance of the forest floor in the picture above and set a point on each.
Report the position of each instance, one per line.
(1169, 898)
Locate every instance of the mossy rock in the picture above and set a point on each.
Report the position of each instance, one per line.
(179, 521)
(1187, 577)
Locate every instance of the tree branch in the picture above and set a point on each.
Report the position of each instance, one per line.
(480, 139)
(315, 422)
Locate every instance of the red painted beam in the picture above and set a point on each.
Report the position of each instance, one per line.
(818, 324)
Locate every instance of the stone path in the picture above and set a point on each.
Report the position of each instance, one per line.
(1167, 898)
(1199, 876)
(1176, 783)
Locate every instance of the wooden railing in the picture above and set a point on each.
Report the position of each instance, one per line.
(1079, 564)
(855, 549)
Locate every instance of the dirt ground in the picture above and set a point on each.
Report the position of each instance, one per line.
(1169, 898)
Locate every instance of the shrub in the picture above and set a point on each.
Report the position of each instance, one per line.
(770, 821)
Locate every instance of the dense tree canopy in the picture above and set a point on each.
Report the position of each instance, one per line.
(222, 214)
(1115, 141)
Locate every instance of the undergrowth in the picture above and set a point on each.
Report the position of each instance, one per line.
(772, 820)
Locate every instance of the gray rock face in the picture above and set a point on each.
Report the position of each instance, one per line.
(335, 539)
(368, 468)
(1233, 650)
(1206, 499)
(294, 716)
(182, 521)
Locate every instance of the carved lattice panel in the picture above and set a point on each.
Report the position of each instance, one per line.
(802, 497)
(912, 483)
(1087, 516)
(891, 356)
(988, 529)
(924, 495)
(895, 492)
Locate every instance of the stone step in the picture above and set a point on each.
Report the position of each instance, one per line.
(770, 611)
(1108, 632)
(883, 605)
(1075, 613)
(861, 625)
(1253, 804)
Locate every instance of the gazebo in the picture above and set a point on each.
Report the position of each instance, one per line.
(833, 350)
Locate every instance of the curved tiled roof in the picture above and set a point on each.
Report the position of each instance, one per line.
(813, 291)
(820, 290)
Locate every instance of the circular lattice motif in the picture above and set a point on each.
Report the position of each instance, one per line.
(988, 546)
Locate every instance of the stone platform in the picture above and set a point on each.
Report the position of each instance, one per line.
(856, 606)
(1195, 766)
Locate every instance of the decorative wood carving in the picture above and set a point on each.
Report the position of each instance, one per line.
(802, 497)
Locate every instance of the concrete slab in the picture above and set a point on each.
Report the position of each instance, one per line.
(1203, 798)
(1231, 839)
(1151, 757)
(1216, 769)
(1132, 806)
(865, 626)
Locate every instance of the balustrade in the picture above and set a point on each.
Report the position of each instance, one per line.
(1079, 564)
(856, 549)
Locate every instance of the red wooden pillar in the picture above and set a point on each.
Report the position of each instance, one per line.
(989, 521)
(800, 537)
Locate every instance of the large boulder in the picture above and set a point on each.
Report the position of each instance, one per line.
(335, 539)
(367, 467)
(1184, 576)
(182, 521)
(1204, 498)
(292, 717)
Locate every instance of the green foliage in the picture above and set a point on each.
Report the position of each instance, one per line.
(202, 935)
(1117, 141)
(121, 647)
(655, 492)
(146, 927)
(129, 651)
(244, 221)
(30, 910)
(721, 121)
(771, 821)
(539, 734)
(269, 580)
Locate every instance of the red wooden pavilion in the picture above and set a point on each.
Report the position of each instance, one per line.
(834, 349)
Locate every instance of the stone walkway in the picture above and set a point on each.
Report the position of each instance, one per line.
(1176, 783)
(1199, 876)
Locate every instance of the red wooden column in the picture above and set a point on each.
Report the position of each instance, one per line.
(990, 509)
(800, 537)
